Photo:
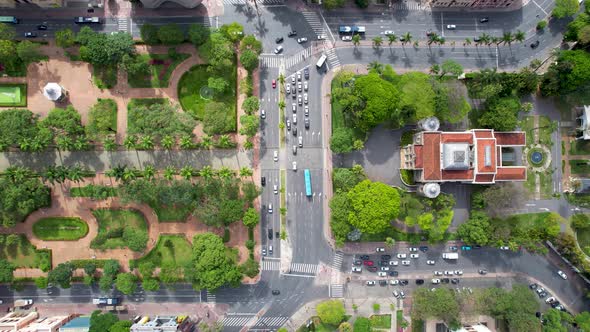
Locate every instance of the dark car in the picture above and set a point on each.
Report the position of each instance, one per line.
(482, 272)
(385, 257)
(306, 122)
(263, 181)
(424, 248)
(30, 35)
(453, 248)
(533, 286)
(403, 282)
(306, 73)
(357, 262)
(276, 292)
(445, 280)
(393, 273)
(270, 233)
(465, 248)
(419, 281)
(294, 131)
(41, 27)
(364, 257)
(292, 33)
(383, 263)
(455, 281)
(372, 269)
(535, 44)
(555, 304)
(484, 20)
(477, 246)
(382, 283)
(279, 40)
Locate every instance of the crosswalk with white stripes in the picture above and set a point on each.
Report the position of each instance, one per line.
(315, 22)
(332, 58)
(336, 289)
(252, 321)
(409, 6)
(123, 24)
(211, 297)
(272, 265)
(274, 61)
(337, 260)
(258, 2)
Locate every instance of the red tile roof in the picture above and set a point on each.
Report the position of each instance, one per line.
(419, 162)
(484, 178)
(510, 138)
(483, 133)
(457, 138)
(481, 147)
(431, 156)
(458, 175)
(511, 173)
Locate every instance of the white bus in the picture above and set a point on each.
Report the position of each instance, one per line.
(321, 61)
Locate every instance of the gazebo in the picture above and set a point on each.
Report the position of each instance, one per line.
(54, 92)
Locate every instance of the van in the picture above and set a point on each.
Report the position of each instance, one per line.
(270, 250)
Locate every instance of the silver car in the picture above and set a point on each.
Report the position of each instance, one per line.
(305, 98)
(294, 119)
(306, 110)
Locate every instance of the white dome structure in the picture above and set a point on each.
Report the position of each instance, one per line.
(430, 190)
(429, 124)
(54, 92)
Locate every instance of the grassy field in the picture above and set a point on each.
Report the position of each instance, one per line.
(170, 250)
(337, 112)
(160, 69)
(60, 229)
(381, 321)
(24, 254)
(13, 95)
(580, 166)
(584, 240)
(189, 91)
(172, 213)
(544, 128)
(105, 77)
(112, 222)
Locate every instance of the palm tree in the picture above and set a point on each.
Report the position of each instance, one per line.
(441, 40)
(496, 40)
(519, 36)
(75, 173)
(207, 142)
(116, 172)
(282, 105)
(484, 38)
(282, 79)
(407, 38)
(246, 171)
(392, 39)
(432, 38)
(225, 172)
(64, 143)
(25, 144)
(467, 41)
(146, 142)
(109, 144)
(435, 69)
(376, 66)
(377, 41)
(206, 172)
(187, 172)
(169, 172)
(149, 172)
(225, 141)
(129, 174)
(186, 142)
(50, 174)
(17, 173)
(356, 40)
(129, 142)
(507, 38)
(167, 142)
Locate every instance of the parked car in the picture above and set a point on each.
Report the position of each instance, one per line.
(459, 272)
(42, 27)
(393, 273)
(382, 274)
(364, 257)
(305, 86)
(30, 34)
(292, 33)
(306, 110)
(535, 44)
(550, 300)
(455, 281)
(276, 292)
(263, 181)
(423, 248)
(393, 263)
(357, 262)
(562, 274)
(453, 248)
(368, 263)
(385, 257)
(270, 208)
(356, 269)
(419, 281)
(302, 40)
(385, 268)
(279, 49)
(413, 249)
(482, 272)
(299, 76)
(294, 149)
(451, 26)
(504, 248)
(372, 269)
(404, 282)
(406, 263)
(279, 40)
(262, 114)
(401, 256)
(380, 249)
(483, 20)
(346, 38)
(394, 282)
(438, 273)
(429, 262)
(414, 256)
(294, 166)
(275, 189)
(436, 281)
(288, 124)
(370, 283)
(306, 73)
(466, 248)
(270, 233)
(274, 84)
(395, 293)
(449, 273)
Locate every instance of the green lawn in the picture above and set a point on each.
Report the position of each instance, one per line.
(60, 229)
(579, 147)
(24, 254)
(545, 128)
(584, 240)
(337, 112)
(160, 69)
(172, 213)
(112, 222)
(580, 166)
(381, 321)
(170, 250)
(13, 95)
(105, 77)
(189, 91)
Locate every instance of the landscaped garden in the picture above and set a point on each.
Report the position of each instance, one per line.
(102, 119)
(580, 167)
(13, 95)
(17, 249)
(171, 250)
(60, 229)
(120, 229)
(159, 69)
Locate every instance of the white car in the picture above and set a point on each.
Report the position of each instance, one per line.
(504, 248)
(449, 273)
(402, 294)
(393, 263)
(299, 76)
(300, 100)
(306, 110)
(430, 262)
(438, 273)
(294, 165)
(305, 86)
(275, 189)
(305, 98)
(322, 37)
(294, 119)
(395, 293)
(550, 300)
(451, 26)
(301, 40)
(406, 263)
(436, 281)
(385, 268)
(413, 249)
(294, 107)
(288, 88)
(379, 249)
(262, 114)
(382, 274)
(299, 86)
(346, 38)
(401, 256)
(279, 49)
(371, 283)
(394, 282)
(293, 81)
(414, 256)
(388, 32)
(270, 208)
(459, 272)
(357, 269)
(562, 274)
(275, 155)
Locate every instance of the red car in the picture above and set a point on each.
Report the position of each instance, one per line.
(274, 84)
(368, 263)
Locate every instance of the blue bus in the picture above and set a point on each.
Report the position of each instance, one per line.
(307, 183)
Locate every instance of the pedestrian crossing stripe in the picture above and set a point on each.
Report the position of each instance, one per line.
(271, 265)
(337, 260)
(307, 268)
(332, 58)
(274, 61)
(210, 297)
(238, 320)
(254, 321)
(408, 6)
(337, 291)
(258, 2)
(271, 321)
(314, 21)
(122, 24)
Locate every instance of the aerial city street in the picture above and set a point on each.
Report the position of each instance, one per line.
(291, 165)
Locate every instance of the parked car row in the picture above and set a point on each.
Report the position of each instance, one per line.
(542, 293)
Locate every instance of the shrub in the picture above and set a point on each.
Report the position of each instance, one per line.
(541, 25)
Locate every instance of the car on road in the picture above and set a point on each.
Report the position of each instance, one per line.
(382, 274)
(262, 114)
(429, 262)
(393, 263)
(449, 273)
(346, 38)
(42, 27)
(453, 248)
(299, 76)
(404, 282)
(300, 141)
(357, 269)
(406, 263)
(379, 249)
(436, 281)
(459, 272)
(372, 269)
(279, 49)
(288, 124)
(299, 87)
(533, 286)
(270, 208)
(293, 79)
(370, 282)
(385, 257)
(402, 294)
(270, 250)
(306, 73)
(466, 248)
(305, 87)
(292, 33)
(322, 37)
(451, 26)
(504, 248)
(302, 40)
(288, 88)
(423, 248)
(413, 249)
(394, 282)
(550, 300)
(306, 123)
(276, 292)
(389, 32)
(482, 271)
(275, 155)
(384, 268)
(305, 98)
(294, 166)
(484, 20)
(562, 274)
(455, 281)
(294, 107)
(542, 294)
(294, 149)
(535, 44)
(275, 189)
(270, 233)
(300, 100)
(419, 281)
(306, 110)
(414, 256)
(274, 84)
(395, 293)
(368, 263)
(294, 119)
(438, 273)
(364, 257)
(263, 181)
(30, 34)
(263, 251)
(559, 307)
(279, 40)
(401, 256)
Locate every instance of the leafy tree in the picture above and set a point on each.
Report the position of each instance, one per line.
(417, 96)
(450, 104)
(90, 268)
(501, 114)
(198, 34)
(149, 34)
(101, 322)
(345, 178)
(170, 34)
(339, 218)
(362, 324)
(251, 104)
(7, 32)
(111, 268)
(217, 119)
(8, 52)
(331, 312)
(126, 283)
(373, 206)
(104, 49)
(583, 320)
(476, 229)
(362, 3)
(64, 121)
(121, 326)
(571, 71)
(251, 218)
(342, 140)
(451, 67)
(102, 118)
(440, 303)
(251, 43)
(250, 125)
(565, 8)
(20, 198)
(105, 283)
(501, 198)
(61, 275)
(356, 40)
(212, 266)
(41, 282)
(159, 120)
(65, 38)
(28, 52)
(135, 239)
(377, 41)
(250, 268)
(150, 284)
(233, 31)
(134, 65)
(249, 60)
(6, 271)
(552, 321)
(218, 84)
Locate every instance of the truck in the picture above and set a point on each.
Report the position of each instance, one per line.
(345, 29)
(8, 19)
(450, 255)
(105, 301)
(86, 20)
(23, 303)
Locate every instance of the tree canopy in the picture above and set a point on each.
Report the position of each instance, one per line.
(331, 312)
(565, 8)
(476, 229)
(101, 322)
(342, 140)
(126, 283)
(417, 95)
(373, 205)
(20, 197)
(441, 303)
(159, 119)
(501, 114)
